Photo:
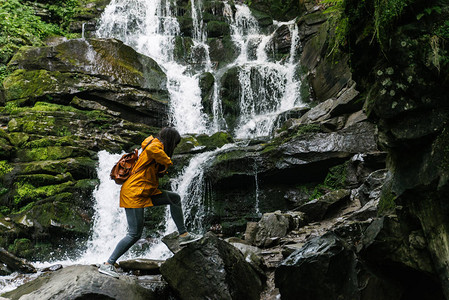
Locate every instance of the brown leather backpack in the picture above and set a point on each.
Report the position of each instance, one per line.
(122, 170)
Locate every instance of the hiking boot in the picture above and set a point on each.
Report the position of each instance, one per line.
(189, 238)
(108, 270)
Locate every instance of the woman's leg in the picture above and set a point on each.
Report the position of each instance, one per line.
(134, 217)
(174, 200)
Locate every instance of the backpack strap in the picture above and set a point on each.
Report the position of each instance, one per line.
(144, 165)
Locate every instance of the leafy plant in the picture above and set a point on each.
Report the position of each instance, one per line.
(385, 13)
(338, 20)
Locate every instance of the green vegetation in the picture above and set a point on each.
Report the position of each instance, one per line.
(22, 248)
(336, 178)
(385, 13)
(4, 168)
(387, 202)
(339, 21)
(441, 147)
(26, 192)
(20, 26)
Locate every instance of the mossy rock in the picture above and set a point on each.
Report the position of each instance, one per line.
(214, 11)
(80, 167)
(25, 193)
(62, 216)
(222, 51)
(217, 140)
(217, 29)
(206, 82)
(44, 179)
(282, 10)
(187, 144)
(230, 96)
(105, 57)
(50, 153)
(264, 18)
(22, 248)
(203, 142)
(6, 149)
(185, 25)
(22, 84)
(18, 138)
(183, 49)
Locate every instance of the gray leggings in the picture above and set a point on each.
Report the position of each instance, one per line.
(135, 219)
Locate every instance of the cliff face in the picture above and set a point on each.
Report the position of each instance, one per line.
(404, 80)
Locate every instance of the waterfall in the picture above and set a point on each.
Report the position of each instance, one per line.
(267, 87)
(151, 29)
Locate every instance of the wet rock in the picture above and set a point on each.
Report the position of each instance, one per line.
(325, 268)
(280, 44)
(211, 268)
(386, 239)
(14, 263)
(106, 70)
(4, 270)
(53, 268)
(326, 205)
(251, 254)
(270, 228)
(80, 282)
(143, 265)
(371, 188)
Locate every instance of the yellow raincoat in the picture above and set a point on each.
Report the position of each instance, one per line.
(139, 187)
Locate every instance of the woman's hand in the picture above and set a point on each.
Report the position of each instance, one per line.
(162, 170)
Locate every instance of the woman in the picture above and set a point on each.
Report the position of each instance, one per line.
(140, 190)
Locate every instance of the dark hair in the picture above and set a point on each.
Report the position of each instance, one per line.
(170, 137)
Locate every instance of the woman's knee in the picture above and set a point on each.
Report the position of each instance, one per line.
(135, 234)
(175, 198)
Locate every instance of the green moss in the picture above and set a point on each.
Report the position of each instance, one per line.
(336, 178)
(22, 248)
(307, 128)
(5, 210)
(217, 29)
(47, 153)
(5, 168)
(25, 192)
(22, 84)
(44, 179)
(18, 138)
(441, 148)
(387, 202)
(216, 140)
(60, 214)
(227, 156)
(67, 140)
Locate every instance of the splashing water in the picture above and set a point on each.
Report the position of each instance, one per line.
(151, 29)
(190, 186)
(267, 88)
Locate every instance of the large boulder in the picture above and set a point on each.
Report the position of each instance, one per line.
(211, 268)
(83, 282)
(104, 70)
(326, 268)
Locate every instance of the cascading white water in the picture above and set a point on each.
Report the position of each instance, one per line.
(151, 29)
(267, 88)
